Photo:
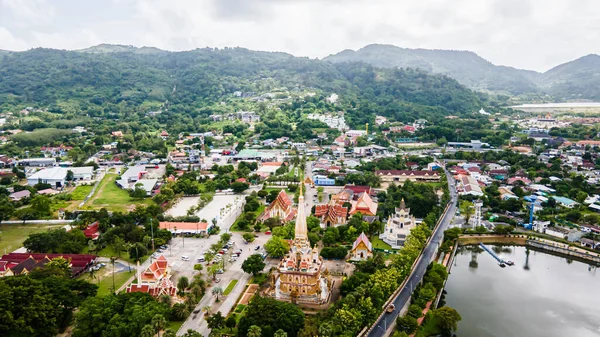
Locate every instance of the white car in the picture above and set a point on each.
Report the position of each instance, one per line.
(185, 258)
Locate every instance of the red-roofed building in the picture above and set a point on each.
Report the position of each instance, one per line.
(280, 207)
(400, 176)
(23, 263)
(155, 280)
(360, 189)
(185, 227)
(92, 231)
(332, 214)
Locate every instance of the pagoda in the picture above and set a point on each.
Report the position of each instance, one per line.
(398, 227)
(300, 275)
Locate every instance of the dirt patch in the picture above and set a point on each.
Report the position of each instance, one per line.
(250, 291)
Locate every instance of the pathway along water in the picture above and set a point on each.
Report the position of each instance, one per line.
(542, 295)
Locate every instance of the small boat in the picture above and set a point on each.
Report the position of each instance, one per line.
(502, 264)
(510, 263)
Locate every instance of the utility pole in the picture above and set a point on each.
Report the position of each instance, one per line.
(152, 231)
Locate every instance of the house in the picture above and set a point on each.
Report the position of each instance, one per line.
(565, 202)
(281, 207)
(400, 176)
(37, 162)
(362, 248)
(398, 227)
(57, 176)
(364, 205)
(185, 227)
(467, 185)
(16, 196)
(117, 134)
(322, 181)
(23, 263)
(558, 232)
(155, 280)
(332, 214)
(92, 231)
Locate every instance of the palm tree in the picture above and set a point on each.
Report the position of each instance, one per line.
(183, 283)
(197, 292)
(189, 302)
(112, 261)
(180, 311)
(169, 333)
(159, 323)
(166, 299)
(147, 331)
(206, 310)
(254, 331)
(217, 291)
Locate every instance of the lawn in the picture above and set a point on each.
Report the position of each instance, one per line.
(80, 192)
(175, 325)
(258, 212)
(12, 236)
(105, 284)
(108, 251)
(379, 244)
(230, 287)
(112, 197)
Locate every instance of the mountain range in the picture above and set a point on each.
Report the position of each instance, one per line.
(578, 79)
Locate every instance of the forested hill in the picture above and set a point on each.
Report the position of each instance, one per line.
(113, 78)
(573, 80)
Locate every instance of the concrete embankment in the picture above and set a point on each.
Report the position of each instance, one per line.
(466, 240)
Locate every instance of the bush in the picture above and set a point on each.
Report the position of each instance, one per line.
(338, 252)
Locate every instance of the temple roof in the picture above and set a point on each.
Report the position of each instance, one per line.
(364, 239)
(365, 205)
(301, 229)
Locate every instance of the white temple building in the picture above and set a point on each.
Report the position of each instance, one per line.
(398, 227)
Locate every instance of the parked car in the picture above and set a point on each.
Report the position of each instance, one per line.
(201, 259)
(220, 271)
(185, 258)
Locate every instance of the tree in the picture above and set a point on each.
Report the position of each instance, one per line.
(277, 247)
(230, 322)
(41, 205)
(239, 187)
(415, 311)
(118, 245)
(183, 283)
(158, 323)
(279, 333)
(325, 330)
(216, 321)
(217, 291)
(248, 237)
(254, 264)
(448, 318)
(147, 331)
(192, 333)
(254, 331)
(179, 311)
(138, 192)
(225, 237)
(6, 208)
(58, 266)
(271, 315)
(137, 250)
(70, 176)
(407, 324)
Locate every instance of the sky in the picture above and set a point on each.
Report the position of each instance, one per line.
(527, 34)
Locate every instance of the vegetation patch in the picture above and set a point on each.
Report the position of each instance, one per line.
(230, 287)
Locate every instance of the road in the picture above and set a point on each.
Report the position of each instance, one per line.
(384, 324)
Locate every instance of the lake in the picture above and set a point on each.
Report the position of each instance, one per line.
(540, 296)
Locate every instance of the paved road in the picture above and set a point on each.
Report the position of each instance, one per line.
(386, 321)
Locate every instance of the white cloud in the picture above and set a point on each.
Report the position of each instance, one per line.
(30, 12)
(533, 34)
(9, 42)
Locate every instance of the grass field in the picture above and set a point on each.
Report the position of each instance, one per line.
(80, 192)
(230, 287)
(378, 243)
(174, 325)
(258, 212)
(12, 236)
(105, 282)
(110, 196)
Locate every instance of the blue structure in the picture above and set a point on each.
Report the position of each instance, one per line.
(502, 263)
(324, 182)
